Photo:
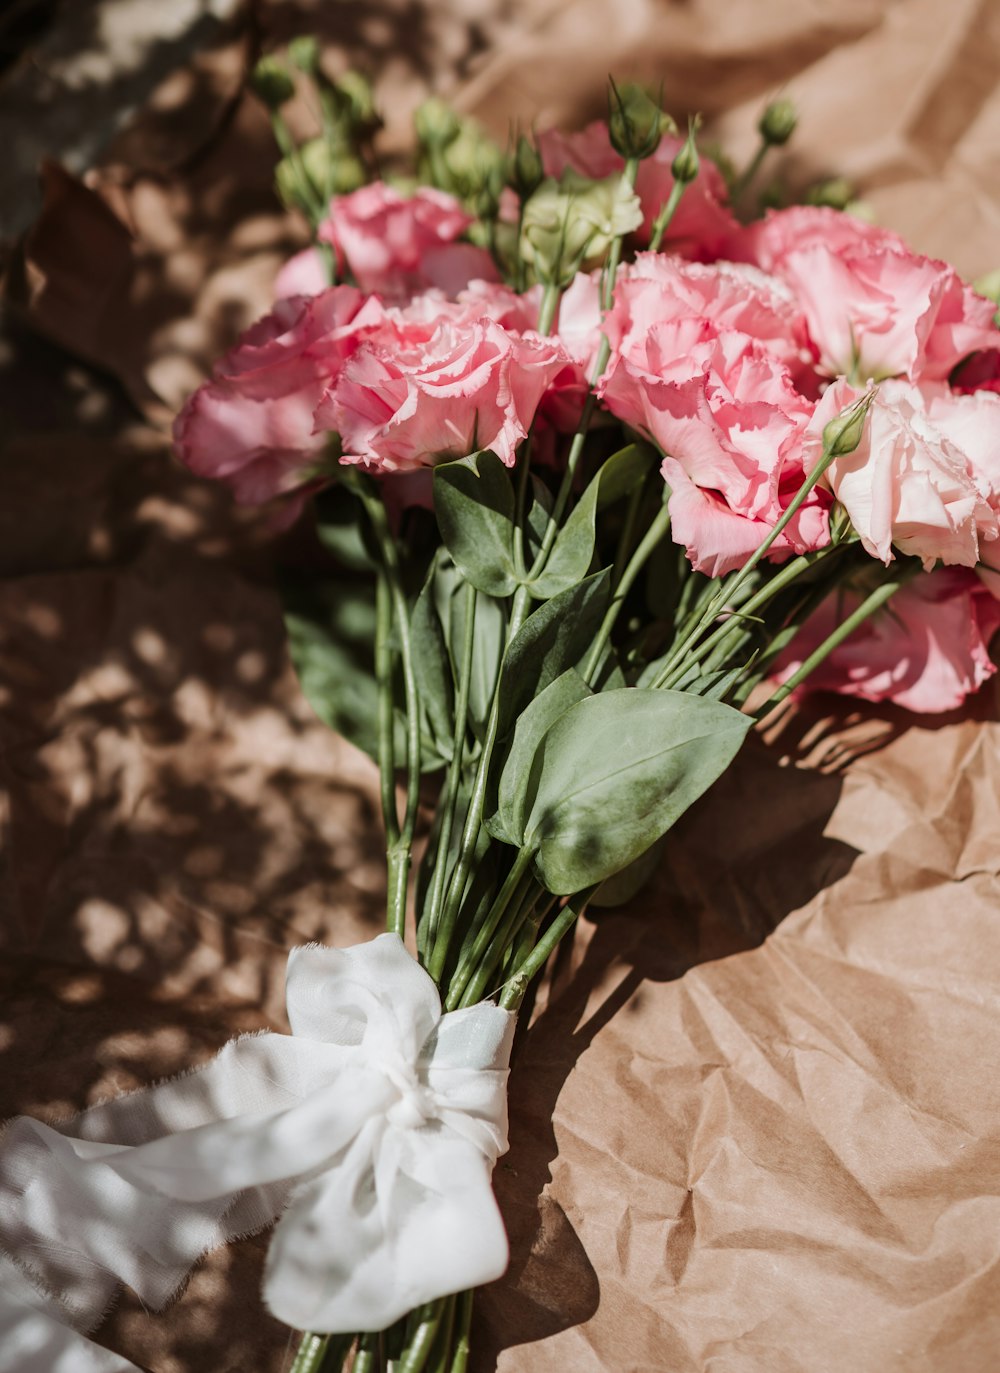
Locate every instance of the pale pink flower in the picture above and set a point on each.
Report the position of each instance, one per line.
(926, 651)
(873, 307)
(908, 485)
(392, 243)
(702, 225)
(251, 424)
(722, 407)
(413, 396)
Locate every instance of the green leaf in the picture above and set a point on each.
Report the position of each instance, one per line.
(620, 887)
(431, 666)
(552, 639)
(516, 789)
(573, 551)
(616, 771)
(474, 504)
(489, 632)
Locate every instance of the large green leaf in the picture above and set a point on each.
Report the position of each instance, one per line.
(573, 550)
(552, 639)
(474, 504)
(615, 772)
(516, 785)
(431, 666)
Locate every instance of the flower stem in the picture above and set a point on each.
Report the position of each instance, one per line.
(419, 1345)
(547, 310)
(663, 219)
(865, 610)
(517, 984)
(656, 531)
(470, 966)
(463, 1322)
(744, 179)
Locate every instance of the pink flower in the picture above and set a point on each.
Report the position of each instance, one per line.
(874, 308)
(908, 484)
(418, 393)
(722, 407)
(393, 243)
(926, 651)
(702, 225)
(251, 425)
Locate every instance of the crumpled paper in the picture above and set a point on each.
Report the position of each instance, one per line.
(754, 1125)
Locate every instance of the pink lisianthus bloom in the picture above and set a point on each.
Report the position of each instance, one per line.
(251, 424)
(393, 244)
(420, 392)
(723, 409)
(926, 651)
(909, 484)
(873, 307)
(702, 226)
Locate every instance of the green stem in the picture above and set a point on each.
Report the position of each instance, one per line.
(474, 814)
(418, 1347)
(455, 766)
(865, 610)
(784, 576)
(743, 181)
(517, 984)
(463, 1322)
(383, 676)
(662, 222)
(727, 591)
(656, 531)
(400, 843)
(547, 310)
(469, 967)
(480, 985)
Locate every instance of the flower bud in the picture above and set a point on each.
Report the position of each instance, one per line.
(777, 124)
(436, 123)
(271, 82)
(358, 100)
(837, 193)
(525, 173)
(635, 122)
(569, 224)
(328, 171)
(687, 162)
(842, 434)
(303, 52)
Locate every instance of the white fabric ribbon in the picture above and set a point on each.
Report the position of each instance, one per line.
(372, 1130)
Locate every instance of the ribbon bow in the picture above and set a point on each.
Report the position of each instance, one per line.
(372, 1129)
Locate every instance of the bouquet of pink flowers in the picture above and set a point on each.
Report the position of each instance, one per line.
(603, 474)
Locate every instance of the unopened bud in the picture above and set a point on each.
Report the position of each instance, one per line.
(271, 82)
(436, 123)
(303, 52)
(328, 172)
(358, 98)
(843, 433)
(635, 122)
(836, 193)
(569, 224)
(525, 173)
(686, 164)
(777, 124)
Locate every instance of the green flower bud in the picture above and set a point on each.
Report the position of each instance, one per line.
(777, 124)
(436, 123)
(635, 122)
(303, 52)
(687, 162)
(358, 101)
(525, 173)
(836, 193)
(271, 82)
(842, 434)
(569, 224)
(989, 286)
(329, 171)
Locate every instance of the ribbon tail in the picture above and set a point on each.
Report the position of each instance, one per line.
(34, 1336)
